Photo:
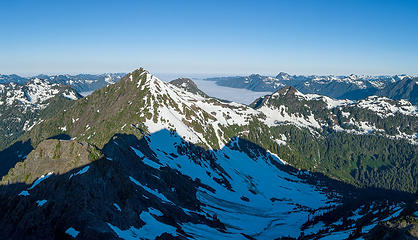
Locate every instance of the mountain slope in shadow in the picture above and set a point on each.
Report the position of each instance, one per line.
(161, 186)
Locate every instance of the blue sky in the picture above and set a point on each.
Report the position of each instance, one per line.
(209, 37)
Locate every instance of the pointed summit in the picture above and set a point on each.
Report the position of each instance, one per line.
(140, 103)
(255, 75)
(135, 74)
(283, 76)
(286, 90)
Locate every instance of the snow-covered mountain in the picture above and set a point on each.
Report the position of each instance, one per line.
(372, 115)
(145, 102)
(152, 159)
(86, 83)
(206, 121)
(82, 83)
(23, 105)
(34, 93)
(352, 87)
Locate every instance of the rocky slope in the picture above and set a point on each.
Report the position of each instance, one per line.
(57, 156)
(407, 88)
(164, 186)
(175, 164)
(405, 226)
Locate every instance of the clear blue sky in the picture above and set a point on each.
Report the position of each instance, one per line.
(216, 37)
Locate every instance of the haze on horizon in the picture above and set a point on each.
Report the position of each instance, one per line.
(209, 38)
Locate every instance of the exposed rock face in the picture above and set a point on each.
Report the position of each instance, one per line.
(57, 156)
(404, 226)
(407, 88)
(406, 229)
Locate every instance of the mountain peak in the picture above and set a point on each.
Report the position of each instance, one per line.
(140, 70)
(255, 75)
(353, 76)
(37, 80)
(286, 90)
(283, 76)
(183, 82)
(188, 85)
(137, 76)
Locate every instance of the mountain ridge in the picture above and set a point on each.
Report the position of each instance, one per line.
(148, 105)
(351, 87)
(79, 82)
(190, 165)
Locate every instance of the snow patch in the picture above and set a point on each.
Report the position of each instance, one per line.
(70, 95)
(82, 171)
(24, 193)
(39, 180)
(72, 232)
(153, 192)
(41, 202)
(117, 207)
(151, 230)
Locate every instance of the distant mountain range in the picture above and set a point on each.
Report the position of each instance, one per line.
(340, 87)
(82, 83)
(144, 158)
(12, 78)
